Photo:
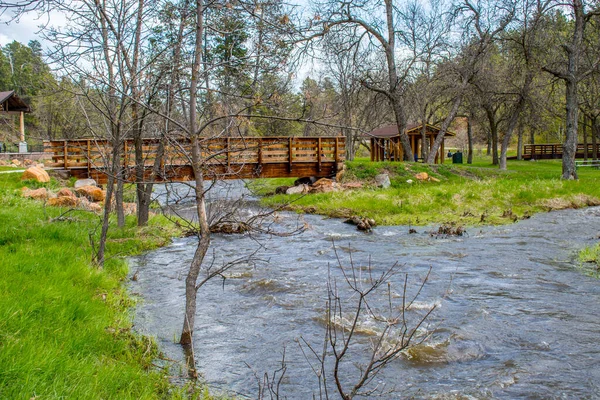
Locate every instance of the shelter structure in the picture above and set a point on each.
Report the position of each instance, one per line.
(386, 146)
(10, 103)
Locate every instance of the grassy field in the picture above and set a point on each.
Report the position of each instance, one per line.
(466, 194)
(65, 325)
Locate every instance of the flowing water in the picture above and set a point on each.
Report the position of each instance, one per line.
(515, 316)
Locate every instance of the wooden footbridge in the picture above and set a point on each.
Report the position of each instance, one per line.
(555, 151)
(225, 158)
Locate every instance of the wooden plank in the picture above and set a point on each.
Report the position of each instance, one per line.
(290, 156)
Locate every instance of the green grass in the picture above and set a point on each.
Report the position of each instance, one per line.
(589, 258)
(8, 168)
(65, 325)
(466, 194)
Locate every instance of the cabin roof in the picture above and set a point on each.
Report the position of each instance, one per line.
(10, 102)
(391, 131)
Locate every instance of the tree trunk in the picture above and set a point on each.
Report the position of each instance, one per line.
(424, 141)
(119, 197)
(520, 143)
(439, 139)
(114, 167)
(191, 290)
(585, 139)
(531, 136)
(493, 137)
(470, 141)
(569, 171)
(514, 119)
(595, 132)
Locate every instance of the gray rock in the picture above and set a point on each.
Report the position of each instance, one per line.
(84, 182)
(300, 189)
(383, 181)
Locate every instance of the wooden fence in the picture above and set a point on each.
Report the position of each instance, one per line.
(224, 158)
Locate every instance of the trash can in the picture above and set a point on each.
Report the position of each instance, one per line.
(457, 158)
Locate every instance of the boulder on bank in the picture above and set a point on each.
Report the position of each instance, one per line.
(422, 176)
(64, 192)
(93, 193)
(282, 189)
(84, 182)
(37, 194)
(352, 185)
(383, 181)
(35, 174)
(85, 204)
(63, 202)
(300, 189)
(16, 162)
(324, 185)
(307, 180)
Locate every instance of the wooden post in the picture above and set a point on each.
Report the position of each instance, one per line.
(412, 146)
(22, 126)
(443, 152)
(319, 153)
(228, 153)
(65, 161)
(89, 165)
(337, 150)
(372, 149)
(290, 154)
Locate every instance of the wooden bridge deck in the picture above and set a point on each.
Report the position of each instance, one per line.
(555, 151)
(226, 158)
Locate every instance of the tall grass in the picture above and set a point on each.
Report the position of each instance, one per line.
(65, 325)
(466, 194)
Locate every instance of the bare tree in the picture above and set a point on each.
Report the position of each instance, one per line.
(571, 72)
(481, 23)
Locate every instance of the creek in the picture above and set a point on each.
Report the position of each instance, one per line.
(516, 316)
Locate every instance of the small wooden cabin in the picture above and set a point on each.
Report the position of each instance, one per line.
(386, 146)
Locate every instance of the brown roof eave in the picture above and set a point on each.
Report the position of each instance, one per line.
(11, 103)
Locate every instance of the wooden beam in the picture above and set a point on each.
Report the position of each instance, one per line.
(319, 154)
(290, 153)
(65, 159)
(22, 125)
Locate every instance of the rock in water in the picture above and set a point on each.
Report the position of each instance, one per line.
(383, 181)
(35, 174)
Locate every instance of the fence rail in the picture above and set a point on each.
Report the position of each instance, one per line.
(554, 151)
(224, 158)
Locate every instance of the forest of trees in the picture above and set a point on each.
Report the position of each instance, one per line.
(516, 70)
(509, 67)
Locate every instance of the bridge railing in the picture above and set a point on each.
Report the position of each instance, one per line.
(555, 150)
(93, 154)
